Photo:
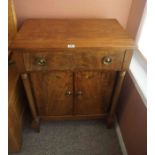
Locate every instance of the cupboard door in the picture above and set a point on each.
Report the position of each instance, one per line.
(93, 91)
(53, 92)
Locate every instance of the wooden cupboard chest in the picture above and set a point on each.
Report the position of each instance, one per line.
(72, 68)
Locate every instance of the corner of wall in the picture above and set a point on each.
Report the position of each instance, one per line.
(120, 138)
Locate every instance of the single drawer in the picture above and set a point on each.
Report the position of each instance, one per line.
(76, 59)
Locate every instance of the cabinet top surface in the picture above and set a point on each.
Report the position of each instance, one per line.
(81, 33)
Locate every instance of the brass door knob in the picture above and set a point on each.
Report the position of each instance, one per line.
(68, 93)
(106, 60)
(40, 61)
(79, 93)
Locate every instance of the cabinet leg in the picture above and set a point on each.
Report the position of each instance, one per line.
(27, 86)
(110, 121)
(110, 117)
(36, 125)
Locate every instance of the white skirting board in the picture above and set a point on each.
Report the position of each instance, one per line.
(120, 138)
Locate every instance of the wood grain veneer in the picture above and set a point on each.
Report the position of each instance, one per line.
(74, 68)
(87, 59)
(55, 33)
(12, 22)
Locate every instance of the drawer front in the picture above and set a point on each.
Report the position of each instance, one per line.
(74, 60)
(47, 61)
(99, 59)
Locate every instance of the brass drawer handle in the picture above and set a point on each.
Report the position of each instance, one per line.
(68, 93)
(40, 61)
(106, 60)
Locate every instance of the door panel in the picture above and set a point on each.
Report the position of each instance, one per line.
(93, 91)
(53, 92)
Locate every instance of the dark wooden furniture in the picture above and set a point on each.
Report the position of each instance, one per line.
(16, 108)
(72, 69)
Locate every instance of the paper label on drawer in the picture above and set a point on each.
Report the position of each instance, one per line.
(71, 45)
